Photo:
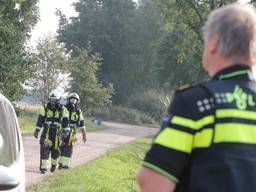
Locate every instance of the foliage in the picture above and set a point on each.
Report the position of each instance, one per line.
(84, 81)
(17, 18)
(123, 32)
(113, 172)
(150, 102)
(126, 115)
(50, 63)
(178, 57)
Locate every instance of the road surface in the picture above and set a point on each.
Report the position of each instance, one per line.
(98, 143)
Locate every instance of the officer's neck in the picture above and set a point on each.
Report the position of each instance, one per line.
(222, 63)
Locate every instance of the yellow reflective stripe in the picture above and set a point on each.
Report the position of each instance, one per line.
(185, 122)
(226, 113)
(175, 139)
(235, 132)
(43, 163)
(54, 161)
(70, 141)
(56, 140)
(203, 138)
(42, 111)
(66, 161)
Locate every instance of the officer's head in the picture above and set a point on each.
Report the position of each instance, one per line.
(229, 36)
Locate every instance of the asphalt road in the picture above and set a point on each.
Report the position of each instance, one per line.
(98, 143)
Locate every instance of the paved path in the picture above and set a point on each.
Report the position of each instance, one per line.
(98, 143)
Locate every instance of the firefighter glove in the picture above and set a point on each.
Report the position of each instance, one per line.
(36, 132)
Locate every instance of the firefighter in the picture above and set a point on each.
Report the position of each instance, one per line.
(209, 142)
(76, 121)
(54, 119)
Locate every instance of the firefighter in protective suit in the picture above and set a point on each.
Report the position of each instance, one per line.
(76, 121)
(54, 119)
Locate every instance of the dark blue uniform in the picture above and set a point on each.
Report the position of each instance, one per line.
(209, 144)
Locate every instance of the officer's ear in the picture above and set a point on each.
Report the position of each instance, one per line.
(213, 44)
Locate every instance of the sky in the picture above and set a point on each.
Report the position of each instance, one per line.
(48, 23)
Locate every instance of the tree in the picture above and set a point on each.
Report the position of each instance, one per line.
(17, 18)
(50, 65)
(94, 96)
(178, 59)
(124, 33)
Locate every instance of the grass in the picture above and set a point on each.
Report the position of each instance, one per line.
(113, 172)
(27, 121)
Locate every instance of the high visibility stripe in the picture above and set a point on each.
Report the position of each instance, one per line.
(233, 74)
(54, 161)
(235, 132)
(66, 161)
(61, 159)
(43, 163)
(56, 144)
(203, 138)
(71, 137)
(175, 139)
(229, 113)
(189, 123)
(161, 171)
(42, 111)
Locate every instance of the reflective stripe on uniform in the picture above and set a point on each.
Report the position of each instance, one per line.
(65, 112)
(66, 129)
(43, 164)
(54, 123)
(192, 124)
(54, 161)
(42, 110)
(175, 139)
(65, 161)
(203, 138)
(61, 160)
(71, 137)
(235, 113)
(235, 132)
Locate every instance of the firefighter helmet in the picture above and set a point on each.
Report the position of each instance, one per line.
(73, 98)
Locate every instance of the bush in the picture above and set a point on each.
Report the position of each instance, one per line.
(151, 102)
(126, 115)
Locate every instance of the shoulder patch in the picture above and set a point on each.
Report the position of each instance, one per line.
(183, 88)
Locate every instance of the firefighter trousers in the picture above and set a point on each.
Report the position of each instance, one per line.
(66, 149)
(49, 145)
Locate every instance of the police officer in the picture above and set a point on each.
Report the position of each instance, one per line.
(209, 143)
(76, 121)
(53, 118)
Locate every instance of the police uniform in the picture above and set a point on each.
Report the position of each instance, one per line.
(52, 121)
(209, 144)
(76, 121)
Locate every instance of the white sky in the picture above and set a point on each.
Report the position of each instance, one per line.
(48, 23)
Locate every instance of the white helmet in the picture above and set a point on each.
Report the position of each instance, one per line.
(73, 96)
(54, 96)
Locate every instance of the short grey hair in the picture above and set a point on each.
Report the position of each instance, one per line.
(235, 25)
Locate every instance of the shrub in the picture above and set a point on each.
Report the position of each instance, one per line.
(126, 115)
(151, 102)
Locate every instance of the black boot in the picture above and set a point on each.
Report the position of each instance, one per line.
(53, 168)
(60, 166)
(42, 170)
(65, 167)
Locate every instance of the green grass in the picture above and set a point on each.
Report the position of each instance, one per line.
(27, 121)
(113, 172)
